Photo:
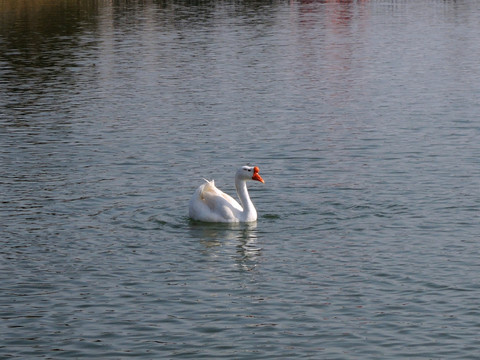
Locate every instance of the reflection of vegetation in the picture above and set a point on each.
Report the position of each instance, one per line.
(39, 41)
(43, 42)
(31, 24)
(39, 35)
(45, 16)
(25, 23)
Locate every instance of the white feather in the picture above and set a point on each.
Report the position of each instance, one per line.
(210, 204)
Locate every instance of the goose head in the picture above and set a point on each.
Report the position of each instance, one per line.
(249, 173)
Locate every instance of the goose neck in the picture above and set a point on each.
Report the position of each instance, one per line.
(249, 211)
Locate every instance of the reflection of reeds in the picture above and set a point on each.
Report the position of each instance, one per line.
(45, 16)
(19, 7)
(35, 11)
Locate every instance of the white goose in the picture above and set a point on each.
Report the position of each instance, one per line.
(213, 205)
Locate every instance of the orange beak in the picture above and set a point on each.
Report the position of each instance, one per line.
(256, 175)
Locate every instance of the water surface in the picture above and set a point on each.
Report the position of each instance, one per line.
(363, 119)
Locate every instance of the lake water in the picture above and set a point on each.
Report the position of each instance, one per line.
(363, 117)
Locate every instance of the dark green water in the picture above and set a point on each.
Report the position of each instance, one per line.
(363, 117)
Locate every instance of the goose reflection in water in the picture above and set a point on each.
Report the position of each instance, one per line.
(214, 236)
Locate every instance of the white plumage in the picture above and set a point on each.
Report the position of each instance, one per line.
(210, 204)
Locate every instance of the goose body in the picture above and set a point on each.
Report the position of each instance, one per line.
(210, 204)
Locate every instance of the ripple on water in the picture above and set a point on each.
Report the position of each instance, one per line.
(366, 243)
